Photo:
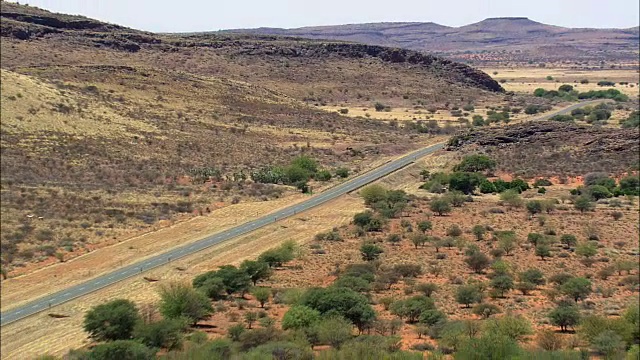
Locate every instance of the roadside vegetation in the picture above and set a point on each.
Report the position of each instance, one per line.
(386, 304)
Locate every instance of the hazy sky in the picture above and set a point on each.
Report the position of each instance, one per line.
(204, 15)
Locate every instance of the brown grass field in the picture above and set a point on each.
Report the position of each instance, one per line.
(525, 80)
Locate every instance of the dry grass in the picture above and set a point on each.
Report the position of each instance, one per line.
(30, 105)
(528, 79)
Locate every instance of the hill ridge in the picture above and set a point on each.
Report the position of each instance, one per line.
(519, 39)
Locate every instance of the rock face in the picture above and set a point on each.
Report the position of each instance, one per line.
(550, 148)
(456, 71)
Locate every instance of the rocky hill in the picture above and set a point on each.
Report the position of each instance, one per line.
(515, 39)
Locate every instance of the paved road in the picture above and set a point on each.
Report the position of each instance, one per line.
(111, 278)
(92, 285)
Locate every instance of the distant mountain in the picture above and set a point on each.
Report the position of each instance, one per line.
(514, 39)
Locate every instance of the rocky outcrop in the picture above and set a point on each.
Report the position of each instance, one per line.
(446, 68)
(58, 23)
(550, 148)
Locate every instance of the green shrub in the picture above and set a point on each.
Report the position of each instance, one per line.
(121, 349)
(166, 333)
(299, 317)
(565, 316)
(475, 163)
(114, 320)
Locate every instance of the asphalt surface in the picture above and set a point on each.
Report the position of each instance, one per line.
(140, 267)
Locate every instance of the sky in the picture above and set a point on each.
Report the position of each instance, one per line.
(211, 15)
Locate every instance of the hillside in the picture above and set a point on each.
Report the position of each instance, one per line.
(108, 130)
(488, 42)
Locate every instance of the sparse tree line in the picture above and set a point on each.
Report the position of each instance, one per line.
(568, 93)
(470, 176)
(298, 173)
(599, 115)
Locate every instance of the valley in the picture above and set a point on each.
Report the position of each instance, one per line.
(120, 147)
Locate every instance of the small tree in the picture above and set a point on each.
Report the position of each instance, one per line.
(486, 310)
(511, 198)
(535, 207)
(502, 284)
(548, 340)
(479, 231)
(514, 327)
(568, 240)
(181, 300)
(418, 240)
(250, 318)
(464, 182)
(610, 344)
(586, 249)
(300, 317)
(421, 330)
(257, 270)
(468, 294)
(333, 331)
(564, 316)
(476, 163)
(533, 276)
(543, 250)
(440, 206)
(507, 244)
(278, 256)
(262, 295)
(235, 280)
(477, 261)
(373, 194)
(394, 239)
(235, 331)
(577, 288)
(412, 308)
(370, 251)
(454, 230)
(426, 288)
(525, 287)
(535, 238)
(425, 226)
(583, 203)
(166, 333)
(113, 320)
(121, 349)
